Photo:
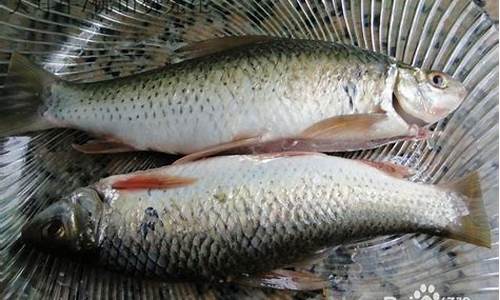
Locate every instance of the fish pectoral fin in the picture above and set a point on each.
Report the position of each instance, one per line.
(389, 168)
(212, 46)
(346, 125)
(145, 181)
(356, 132)
(239, 143)
(285, 280)
(102, 147)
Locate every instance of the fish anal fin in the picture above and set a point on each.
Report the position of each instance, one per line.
(102, 147)
(144, 181)
(389, 168)
(216, 45)
(285, 280)
(343, 126)
(235, 144)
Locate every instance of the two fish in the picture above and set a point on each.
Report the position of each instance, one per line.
(237, 218)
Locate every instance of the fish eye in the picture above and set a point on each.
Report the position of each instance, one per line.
(54, 229)
(438, 80)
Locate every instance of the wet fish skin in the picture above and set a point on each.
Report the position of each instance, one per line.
(273, 90)
(280, 89)
(250, 214)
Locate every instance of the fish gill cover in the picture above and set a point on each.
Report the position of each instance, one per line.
(93, 40)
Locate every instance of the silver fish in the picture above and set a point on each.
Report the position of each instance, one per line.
(241, 217)
(260, 93)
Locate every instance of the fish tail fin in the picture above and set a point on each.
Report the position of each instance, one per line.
(22, 101)
(474, 227)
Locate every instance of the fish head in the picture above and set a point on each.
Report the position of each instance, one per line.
(69, 224)
(425, 97)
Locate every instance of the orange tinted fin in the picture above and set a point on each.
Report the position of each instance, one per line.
(212, 46)
(151, 182)
(329, 144)
(473, 227)
(102, 147)
(390, 168)
(285, 280)
(343, 125)
(245, 142)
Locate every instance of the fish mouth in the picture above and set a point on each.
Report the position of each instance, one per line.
(409, 119)
(27, 233)
(31, 234)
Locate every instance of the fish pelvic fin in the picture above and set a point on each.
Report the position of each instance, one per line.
(349, 124)
(217, 149)
(474, 228)
(22, 103)
(103, 146)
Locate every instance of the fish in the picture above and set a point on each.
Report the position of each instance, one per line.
(246, 218)
(249, 94)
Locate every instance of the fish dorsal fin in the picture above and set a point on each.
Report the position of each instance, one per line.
(150, 181)
(212, 46)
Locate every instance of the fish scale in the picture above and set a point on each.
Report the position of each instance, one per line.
(249, 94)
(261, 214)
(276, 87)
